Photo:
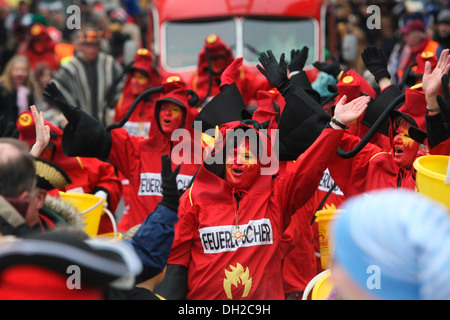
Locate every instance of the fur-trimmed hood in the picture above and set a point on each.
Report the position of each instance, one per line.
(65, 213)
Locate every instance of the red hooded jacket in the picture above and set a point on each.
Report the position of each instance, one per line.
(374, 168)
(143, 116)
(220, 267)
(207, 85)
(38, 32)
(141, 163)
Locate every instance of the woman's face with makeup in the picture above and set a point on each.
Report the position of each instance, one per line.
(405, 148)
(242, 166)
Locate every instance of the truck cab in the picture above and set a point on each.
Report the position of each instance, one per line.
(177, 30)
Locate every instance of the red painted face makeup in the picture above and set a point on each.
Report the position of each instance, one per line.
(405, 148)
(171, 117)
(242, 166)
(218, 64)
(139, 83)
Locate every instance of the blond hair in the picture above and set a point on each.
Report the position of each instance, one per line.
(6, 78)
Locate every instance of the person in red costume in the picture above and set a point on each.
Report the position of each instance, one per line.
(373, 168)
(39, 47)
(300, 241)
(88, 175)
(232, 218)
(141, 77)
(213, 59)
(137, 158)
(438, 111)
(353, 85)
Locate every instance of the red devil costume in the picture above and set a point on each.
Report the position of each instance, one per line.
(300, 240)
(141, 164)
(374, 168)
(222, 267)
(206, 81)
(354, 85)
(143, 116)
(40, 47)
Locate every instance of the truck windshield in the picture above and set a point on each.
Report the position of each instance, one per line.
(280, 36)
(184, 40)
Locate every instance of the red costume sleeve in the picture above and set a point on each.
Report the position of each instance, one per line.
(300, 182)
(124, 151)
(350, 174)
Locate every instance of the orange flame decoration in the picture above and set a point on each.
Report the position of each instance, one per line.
(237, 276)
(406, 140)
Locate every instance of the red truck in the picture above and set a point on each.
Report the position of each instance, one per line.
(177, 30)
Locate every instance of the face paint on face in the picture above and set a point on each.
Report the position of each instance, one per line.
(218, 64)
(171, 117)
(405, 148)
(139, 83)
(242, 166)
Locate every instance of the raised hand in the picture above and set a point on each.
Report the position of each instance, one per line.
(349, 112)
(376, 62)
(231, 73)
(276, 73)
(431, 81)
(298, 59)
(42, 132)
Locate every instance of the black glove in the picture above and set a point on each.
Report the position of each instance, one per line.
(298, 59)
(53, 96)
(276, 73)
(333, 68)
(84, 135)
(444, 102)
(170, 195)
(376, 62)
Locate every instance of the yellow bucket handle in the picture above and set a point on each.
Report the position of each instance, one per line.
(113, 222)
(95, 206)
(109, 214)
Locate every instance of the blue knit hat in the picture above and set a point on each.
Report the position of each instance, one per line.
(402, 238)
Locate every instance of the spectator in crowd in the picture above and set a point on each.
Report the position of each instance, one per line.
(81, 81)
(18, 181)
(16, 89)
(416, 41)
(442, 28)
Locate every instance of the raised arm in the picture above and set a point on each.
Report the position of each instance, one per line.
(84, 135)
(300, 183)
(42, 133)
(438, 116)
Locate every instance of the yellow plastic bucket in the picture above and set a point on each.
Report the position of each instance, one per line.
(323, 218)
(430, 177)
(89, 206)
